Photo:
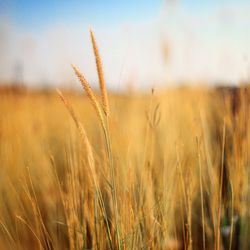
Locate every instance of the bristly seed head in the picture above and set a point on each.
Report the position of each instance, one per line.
(89, 93)
(99, 67)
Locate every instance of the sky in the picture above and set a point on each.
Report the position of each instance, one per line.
(34, 15)
(142, 42)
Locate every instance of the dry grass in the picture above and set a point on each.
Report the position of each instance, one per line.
(167, 170)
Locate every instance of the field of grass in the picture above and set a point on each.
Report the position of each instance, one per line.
(163, 170)
(56, 189)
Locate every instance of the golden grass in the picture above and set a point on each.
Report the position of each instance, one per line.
(105, 125)
(89, 93)
(100, 72)
(166, 170)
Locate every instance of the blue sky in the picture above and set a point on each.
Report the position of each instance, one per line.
(31, 14)
(206, 39)
(35, 14)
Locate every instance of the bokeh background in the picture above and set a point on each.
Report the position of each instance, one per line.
(143, 43)
(146, 164)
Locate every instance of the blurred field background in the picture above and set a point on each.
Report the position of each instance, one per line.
(166, 168)
(167, 150)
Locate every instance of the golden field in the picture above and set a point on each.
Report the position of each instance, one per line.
(166, 170)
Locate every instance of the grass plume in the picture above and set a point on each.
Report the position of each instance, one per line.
(100, 72)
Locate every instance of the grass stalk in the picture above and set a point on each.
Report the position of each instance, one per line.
(201, 196)
(221, 184)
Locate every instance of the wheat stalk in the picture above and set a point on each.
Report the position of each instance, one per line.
(99, 67)
(82, 133)
(90, 158)
(103, 115)
(90, 94)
